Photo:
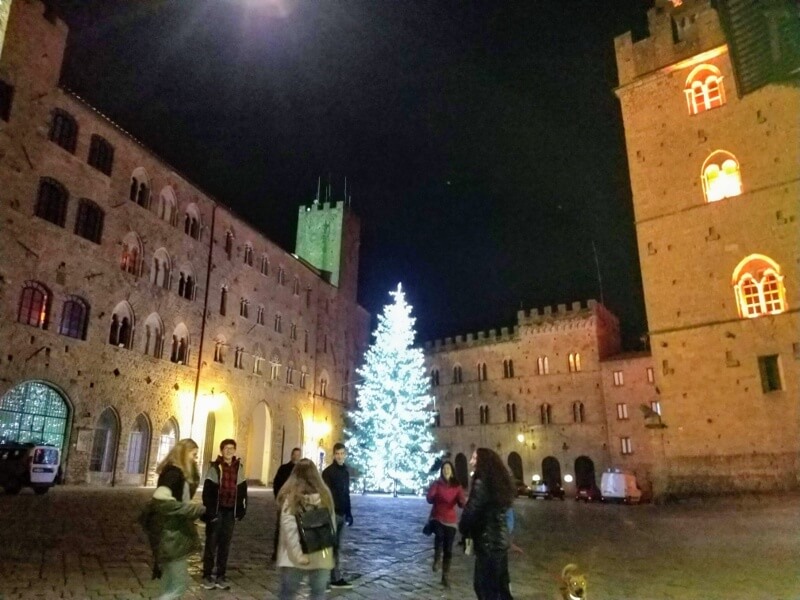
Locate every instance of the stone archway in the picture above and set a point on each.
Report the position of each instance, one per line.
(551, 470)
(259, 444)
(462, 469)
(515, 464)
(293, 436)
(215, 412)
(584, 472)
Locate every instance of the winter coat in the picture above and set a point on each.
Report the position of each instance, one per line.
(172, 477)
(445, 498)
(282, 477)
(170, 527)
(337, 478)
(211, 490)
(290, 552)
(484, 521)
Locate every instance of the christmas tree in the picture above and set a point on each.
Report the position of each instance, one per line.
(390, 439)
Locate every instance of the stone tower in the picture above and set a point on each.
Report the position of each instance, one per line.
(328, 237)
(713, 158)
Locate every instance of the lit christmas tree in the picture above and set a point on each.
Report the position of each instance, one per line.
(390, 439)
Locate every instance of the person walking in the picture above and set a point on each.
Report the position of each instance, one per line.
(169, 519)
(337, 478)
(484, 521)
(444, 494)
(303, 490)
(280, 478)
(225, 499)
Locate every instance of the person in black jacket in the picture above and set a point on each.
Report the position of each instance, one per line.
(225, 499)
(280, 478)
(484, 521)
(337, 478)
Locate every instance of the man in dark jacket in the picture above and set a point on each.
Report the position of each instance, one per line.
(280, 478)
(225, 499)
(337, 478)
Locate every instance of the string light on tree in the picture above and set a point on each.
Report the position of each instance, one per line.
(390, 438)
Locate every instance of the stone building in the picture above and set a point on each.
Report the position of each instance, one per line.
(552, 396)
(135, 309)
(710, 104)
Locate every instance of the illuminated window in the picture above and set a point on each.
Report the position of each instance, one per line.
(34, 304)
(574, 362)
(655, 406)
(758, 285)
(625, 445)
(651, 378)
(542, 365)
(578, 412)
(622, 412)
(619, 379)
(130, 261)
(704, 89)
(721, 177)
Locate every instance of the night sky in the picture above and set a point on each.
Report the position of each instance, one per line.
(482, 141)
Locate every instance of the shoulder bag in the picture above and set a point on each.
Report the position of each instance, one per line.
(315, 529)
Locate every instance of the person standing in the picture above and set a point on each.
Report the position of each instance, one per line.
(304, 490)
(337, 478)
(225, 499)
(445, 494)
(484, 521)
(169, 519)
(280, 478)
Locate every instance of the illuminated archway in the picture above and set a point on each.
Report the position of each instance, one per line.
(758, 286)
(721, 176)
(293, 436)
(259, 444)
(213, 422)
(704, 89)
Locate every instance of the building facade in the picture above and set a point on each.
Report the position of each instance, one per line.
(711, 125)
(553, 396)
(135, 309)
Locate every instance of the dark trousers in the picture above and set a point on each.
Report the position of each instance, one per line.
(336, 572)
(218, 542)
(443, 537)
(277, 534)
(491, 578)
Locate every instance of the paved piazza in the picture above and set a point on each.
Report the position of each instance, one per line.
(78, 542)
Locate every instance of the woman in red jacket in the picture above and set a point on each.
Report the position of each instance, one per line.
(445, 493)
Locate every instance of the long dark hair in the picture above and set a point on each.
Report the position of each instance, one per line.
(489, 468)
(452, 481)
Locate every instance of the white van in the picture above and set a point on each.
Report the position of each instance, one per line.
(619, 486)
(37, 466)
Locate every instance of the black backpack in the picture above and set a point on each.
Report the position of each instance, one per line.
(315, 528)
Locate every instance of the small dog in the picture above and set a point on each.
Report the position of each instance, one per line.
(573, 583)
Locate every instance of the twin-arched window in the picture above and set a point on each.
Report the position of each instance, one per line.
(721, 176)
(758, 285)
(704, 89)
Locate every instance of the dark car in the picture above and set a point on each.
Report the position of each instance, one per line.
(522, 489)
(588, 493)
(548, 491)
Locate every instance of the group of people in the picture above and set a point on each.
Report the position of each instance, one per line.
(169, 519)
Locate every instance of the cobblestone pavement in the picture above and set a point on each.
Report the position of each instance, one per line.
(78, 542)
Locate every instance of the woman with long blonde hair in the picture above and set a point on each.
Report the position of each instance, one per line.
(304, 490)
(169, 519)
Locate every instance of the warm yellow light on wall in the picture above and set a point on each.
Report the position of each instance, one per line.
(721, 176)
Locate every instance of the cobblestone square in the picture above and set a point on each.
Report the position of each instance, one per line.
(84, 543)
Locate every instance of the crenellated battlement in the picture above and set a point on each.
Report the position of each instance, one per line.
(337, 206)
(548, 318)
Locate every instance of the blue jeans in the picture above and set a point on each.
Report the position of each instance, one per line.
(174, 579)
(336, 572)
(291, 578)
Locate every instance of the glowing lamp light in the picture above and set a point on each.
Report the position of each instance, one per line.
(537, 477)
(520, 438)
(568, 478)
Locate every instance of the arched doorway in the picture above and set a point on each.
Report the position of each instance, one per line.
(103, 459)
(34, 412)
(462, 471)
(259, 444)
(551, 470)
(292, 437)
(138, 450)
(584, 472)
(515, 464)
(219, 425)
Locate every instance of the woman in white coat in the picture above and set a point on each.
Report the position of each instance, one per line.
(302, 491)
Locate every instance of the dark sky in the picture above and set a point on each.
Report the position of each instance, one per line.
(482, 139)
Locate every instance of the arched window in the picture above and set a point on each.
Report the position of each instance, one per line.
(51, 201)
(482, 371)
(89, 223)
(264, 264)
(140, 187)
(543, 365)
(131, 254)
(578, 413)
(186, 283)
(484, 414)
(275, 367)
(238, 358)
(34, 305)
(457, 374)
(296, 287)
(434, 377)
(244, 307)
(101, 154)
(758, 285)
(166, 441)
(260, 320)
(168, 206)
(64, 130)
(278, 323)
(180, 345)
(281, 276)
(721, 176)
(248, 254)
(219, 349)
(574, 362)
(223, 301)
(74, 318)
(154, 336)
(546, 414)
(162, 269)
(138, 443)
(511, 412)
(104, 444)
(191, 222)
(704, 89)
(508, 368)
(121, 330)
(229, 244)
(459, 415)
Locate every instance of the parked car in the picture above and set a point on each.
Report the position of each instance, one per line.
(588, 493)
(522, 489)
(37, 466)
(548, 491)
